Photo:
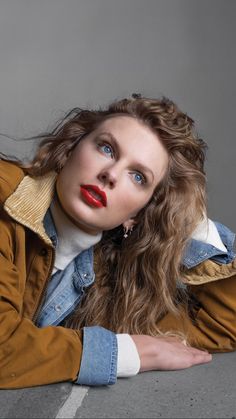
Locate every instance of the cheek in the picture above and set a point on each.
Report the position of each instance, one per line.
(132, 202)
(86, 162)
(75, 168)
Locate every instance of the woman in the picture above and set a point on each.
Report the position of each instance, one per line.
(127, 184)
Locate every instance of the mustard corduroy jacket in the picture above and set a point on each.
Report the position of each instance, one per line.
(31, 356)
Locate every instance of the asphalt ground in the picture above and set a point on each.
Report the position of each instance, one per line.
(203, 391)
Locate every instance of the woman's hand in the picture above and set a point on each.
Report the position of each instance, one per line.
(167, 353)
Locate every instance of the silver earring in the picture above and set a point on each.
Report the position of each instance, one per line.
(127, 231)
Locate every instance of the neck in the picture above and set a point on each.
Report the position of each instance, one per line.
(71, 239)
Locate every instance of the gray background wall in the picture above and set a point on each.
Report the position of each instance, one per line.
(57, 54)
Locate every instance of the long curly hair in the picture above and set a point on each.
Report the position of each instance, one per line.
(136, 278)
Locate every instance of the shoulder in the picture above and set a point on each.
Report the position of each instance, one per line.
(10, 177)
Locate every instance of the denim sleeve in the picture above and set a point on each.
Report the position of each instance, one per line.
(197, 251)
(99, 357)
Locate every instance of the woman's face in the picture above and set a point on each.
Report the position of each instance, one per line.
(111, 174)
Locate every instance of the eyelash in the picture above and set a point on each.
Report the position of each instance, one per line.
(105, 144)
(144, 180)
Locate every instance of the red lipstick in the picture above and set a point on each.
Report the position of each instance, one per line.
(93, 195)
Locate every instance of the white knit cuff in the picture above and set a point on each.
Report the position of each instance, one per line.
(128, 362)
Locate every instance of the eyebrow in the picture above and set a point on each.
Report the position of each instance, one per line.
(139, 165)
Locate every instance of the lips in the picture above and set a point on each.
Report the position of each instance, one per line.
(94, 196)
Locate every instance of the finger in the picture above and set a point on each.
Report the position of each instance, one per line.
(201, 358)
(199, 351)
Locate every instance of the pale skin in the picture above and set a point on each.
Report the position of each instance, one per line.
(126, 160)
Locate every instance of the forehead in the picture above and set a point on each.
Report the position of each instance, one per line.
(124, 123)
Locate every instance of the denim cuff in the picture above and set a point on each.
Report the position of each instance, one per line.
(99, 357)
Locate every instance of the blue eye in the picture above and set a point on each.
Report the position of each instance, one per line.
(107, 149)
(139, 178)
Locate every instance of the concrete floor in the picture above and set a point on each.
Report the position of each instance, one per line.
(204, 391)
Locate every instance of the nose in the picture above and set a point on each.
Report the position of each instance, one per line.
(108, 177)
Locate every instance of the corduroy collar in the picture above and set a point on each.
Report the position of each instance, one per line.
(30, 201)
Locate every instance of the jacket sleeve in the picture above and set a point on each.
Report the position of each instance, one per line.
(31, 356)
(209, 319)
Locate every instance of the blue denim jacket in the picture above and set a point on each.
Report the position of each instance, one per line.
(99, 357)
